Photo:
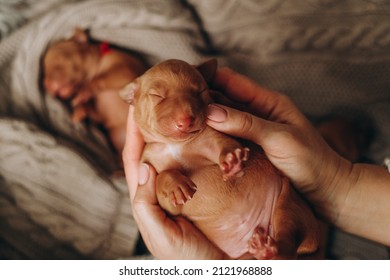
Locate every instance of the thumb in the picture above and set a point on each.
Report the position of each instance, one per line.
(152, 221)
(146, 191)
(239, 124)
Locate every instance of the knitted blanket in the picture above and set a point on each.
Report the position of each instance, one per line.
(59, 174)
(58, 198)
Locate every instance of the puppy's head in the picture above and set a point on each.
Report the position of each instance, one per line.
(171, 99)
(63, 65)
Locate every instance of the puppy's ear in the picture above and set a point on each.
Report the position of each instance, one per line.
(80, 36)
(128, 92)
(208, 69)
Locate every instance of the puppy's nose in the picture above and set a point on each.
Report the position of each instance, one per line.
(184, 123)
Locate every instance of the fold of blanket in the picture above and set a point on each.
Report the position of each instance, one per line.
(59, 190)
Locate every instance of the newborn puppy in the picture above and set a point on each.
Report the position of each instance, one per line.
(90, 74)
(248, 211)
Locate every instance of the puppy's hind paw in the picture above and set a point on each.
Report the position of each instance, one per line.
(233, 162)
(262, 246)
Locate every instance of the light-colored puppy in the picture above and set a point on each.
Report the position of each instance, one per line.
(234, 195)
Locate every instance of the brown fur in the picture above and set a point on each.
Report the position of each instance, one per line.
(76, 69)
(248, 211)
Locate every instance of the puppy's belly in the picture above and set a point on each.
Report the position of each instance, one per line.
(228, 212)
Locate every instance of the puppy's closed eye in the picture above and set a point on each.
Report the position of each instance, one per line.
(156, 96)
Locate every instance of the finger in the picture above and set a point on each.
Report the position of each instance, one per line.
(240, 124)
(260, 101)
(132, 153)
(158, 230)
(146, 210)
(233, 84)
(146, 191)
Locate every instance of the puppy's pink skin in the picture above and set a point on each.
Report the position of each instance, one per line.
(242, 204)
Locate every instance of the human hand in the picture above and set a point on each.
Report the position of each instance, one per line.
(166, 237)
(289, 140)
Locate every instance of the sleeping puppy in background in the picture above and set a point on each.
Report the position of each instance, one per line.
(89, 75)
(233, 194)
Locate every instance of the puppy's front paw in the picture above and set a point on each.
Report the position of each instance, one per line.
(262, 246)
(232, 163)
(180, 190)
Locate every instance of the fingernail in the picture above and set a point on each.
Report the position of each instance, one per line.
(143, 173)
(216, 113)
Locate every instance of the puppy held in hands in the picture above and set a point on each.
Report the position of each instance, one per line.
(230, 191)
(89, 74)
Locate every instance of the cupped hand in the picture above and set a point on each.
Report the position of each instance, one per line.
(289, 140)
(166, 237)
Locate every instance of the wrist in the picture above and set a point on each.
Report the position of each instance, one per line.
(333, 188)
(363, 203)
